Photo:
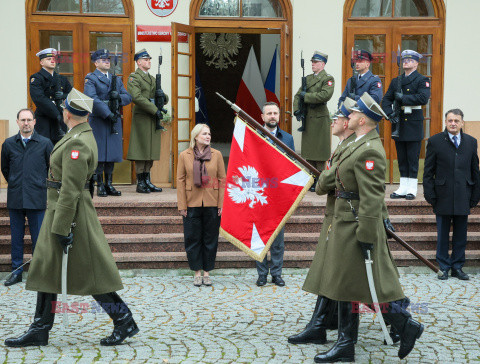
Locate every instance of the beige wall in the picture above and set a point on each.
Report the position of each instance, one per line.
(13, 86)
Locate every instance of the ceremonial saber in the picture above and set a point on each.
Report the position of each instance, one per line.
(376, 305)
(64, 287)
(24, 264)
(407, 246)
(255, 124)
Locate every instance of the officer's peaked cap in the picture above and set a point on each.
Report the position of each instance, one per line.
(78, 103)
(319, 56)
(411, 54)
(47, 52)
(100, 54)
(142, 53)
(367, 105)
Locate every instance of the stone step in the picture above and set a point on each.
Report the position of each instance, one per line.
(238, 259)
(174, 242)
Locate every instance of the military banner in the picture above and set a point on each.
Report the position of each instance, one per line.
(263, 188)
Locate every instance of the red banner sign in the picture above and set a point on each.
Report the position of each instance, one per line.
(156, 33)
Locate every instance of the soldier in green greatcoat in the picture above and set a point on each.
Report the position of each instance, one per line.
(316, 146)
(71, 221)
(357, 230)
(324, 313)
(144, 147)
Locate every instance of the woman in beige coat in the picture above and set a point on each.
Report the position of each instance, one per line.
(200, 190)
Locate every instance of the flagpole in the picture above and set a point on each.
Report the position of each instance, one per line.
(255, 124)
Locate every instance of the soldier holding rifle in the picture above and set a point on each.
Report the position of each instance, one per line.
(144, 145)
(407, 93)
(316, 136)
(48, 89)
(105, 122)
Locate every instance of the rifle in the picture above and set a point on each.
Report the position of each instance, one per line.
(394, 117)
(159, 96)
(58, 94)
(353, 79)
(113, 98)
(301, 113)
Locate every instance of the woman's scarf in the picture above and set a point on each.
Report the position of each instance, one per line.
(200, 176)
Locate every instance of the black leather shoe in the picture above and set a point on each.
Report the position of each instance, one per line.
(120, 333)
(457, 273)
(100, 186)
(261, 281)
(33, 337)
(411, 332)
(149, 183)
(394, 195)
(410, 196)
(14, 278)
(443, 276)
(278, 281)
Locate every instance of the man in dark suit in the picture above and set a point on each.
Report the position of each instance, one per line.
(365, 81)
(98, 86)
(451, 186)
(25, 158)
(271, 117)
(415, 92)
(44, 91)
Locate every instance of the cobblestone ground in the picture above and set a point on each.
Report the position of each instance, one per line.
(235, 321)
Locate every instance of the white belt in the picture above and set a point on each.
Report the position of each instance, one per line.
(408, 109)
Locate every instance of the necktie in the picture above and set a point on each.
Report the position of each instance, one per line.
(455, 141)
(26, 140)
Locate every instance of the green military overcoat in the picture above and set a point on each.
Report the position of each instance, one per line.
(144, 139)
(361, 169)
(316, 137)
(91, 267)
(313, 280)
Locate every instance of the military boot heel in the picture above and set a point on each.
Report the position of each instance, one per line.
(150, 185)
(315, 332)
(124, 326)
(111, 191)
(98, 178)
(344, 349)
(141, 185)
(37, 333)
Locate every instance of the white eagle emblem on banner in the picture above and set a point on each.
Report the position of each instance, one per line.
(248, 187)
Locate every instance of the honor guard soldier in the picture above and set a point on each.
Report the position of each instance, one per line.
(144, 145)
(71, 232)
(413, 92)
(357, 237)
(105, 122)
(363, 79)
(319, 89)
(48, 89)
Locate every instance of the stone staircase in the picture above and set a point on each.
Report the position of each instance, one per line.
(145, 231)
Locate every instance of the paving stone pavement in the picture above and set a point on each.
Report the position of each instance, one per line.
(235, 321)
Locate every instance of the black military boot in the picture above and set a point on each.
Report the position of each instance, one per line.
(150, 185)
(141, 185)
(394, 335)
(315, 331)
(123, 323)
(37, 333)
(395, 131)
(98, 178)
(109, 187)
(408, 329)
(344, 349)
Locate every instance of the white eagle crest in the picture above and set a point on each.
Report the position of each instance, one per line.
(161, 3)
(247, 187)
(221, 48)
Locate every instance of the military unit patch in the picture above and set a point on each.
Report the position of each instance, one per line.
(329, 83)
(369, 165)
(32, 79)
(427, 84)
(379, 84)
(75, 154)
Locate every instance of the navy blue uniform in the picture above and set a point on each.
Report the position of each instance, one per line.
(367, 83)
(42, 90)
(416, 92)
(98, 87)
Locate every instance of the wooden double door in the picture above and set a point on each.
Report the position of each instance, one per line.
(383, 42)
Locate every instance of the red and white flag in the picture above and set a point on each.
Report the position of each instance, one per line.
(263, 188)
(272, 82)
(251, 93)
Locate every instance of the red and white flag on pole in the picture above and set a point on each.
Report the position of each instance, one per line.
(251, 93)
(272, 82)
(263, 188)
